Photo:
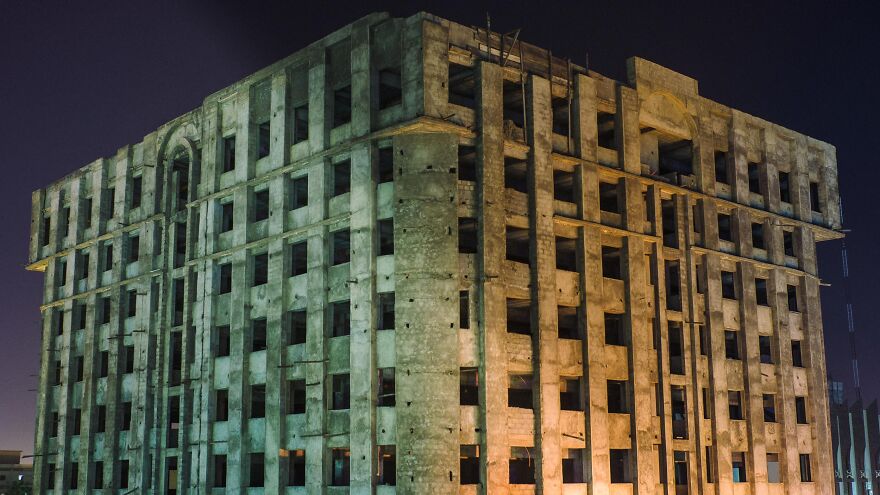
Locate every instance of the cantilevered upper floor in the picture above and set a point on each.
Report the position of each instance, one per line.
(380, 76)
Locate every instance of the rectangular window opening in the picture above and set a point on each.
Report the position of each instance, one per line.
(341, 247)
(469, 387)
(340, 391)
(341, 177)
(340, 318)
(722, 174)
(299, 192)
(519, 391)
(467, 235)
(467, 163)
(301, 123)
(385, 230)
(386, 311)
(386, 389)
(611, 262)
(618, 397)
(462, 85)
(521, 466)
(264, 140)
(469, 464)
(390, 89)
(341, 106)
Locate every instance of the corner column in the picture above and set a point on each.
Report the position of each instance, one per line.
(426, 305)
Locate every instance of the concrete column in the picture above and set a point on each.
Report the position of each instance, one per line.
(736, 146)
(279, 130)
(699, 374)
(823, 470)
(657, 353)
(656, 259)
(239, 386)
(315, 367)
(770, 186)
(43, 455)
(66, 399)
(742, 232)
(800, 180)
(146, 340)
(786, 416)
(203, 400)
(114, 437)
(491, 302)
(412, 67)
(435, 67)
(120, 164)
(362, 345)
(276, 344)
(361, 81)
(89, 384)
(548, 476)
(829, 185)
(152, 190)
(99, 184)
(35, 246)
(718, 376)
(628, 136)
(753, 398)
(704, 157)
(320, 111)
(362, 291)
(426, 280)
(598, 473)
(585, 128)
(641, 357)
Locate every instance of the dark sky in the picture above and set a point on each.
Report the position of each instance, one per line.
(80, 79)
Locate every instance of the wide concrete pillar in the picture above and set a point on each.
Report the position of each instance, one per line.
(426, 302)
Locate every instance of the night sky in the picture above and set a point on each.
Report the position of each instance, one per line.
(78, 80)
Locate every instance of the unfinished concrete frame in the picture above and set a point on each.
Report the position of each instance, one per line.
(176, 359)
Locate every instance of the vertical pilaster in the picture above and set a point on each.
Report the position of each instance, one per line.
(718, 377)
(754, 394)
(736, 146)
(362, 345)
(786, 415)
(598, 473)
(586, 130)
(491, 303)
(320, 111)
(641, 358)
(800, 179)
(316, 348)
(820, 455)
(628, 137)
(276, 346)
(543, 286)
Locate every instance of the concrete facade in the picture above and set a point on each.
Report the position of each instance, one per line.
(418, 257)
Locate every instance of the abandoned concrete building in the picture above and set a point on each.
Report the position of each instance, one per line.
(424, 258)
